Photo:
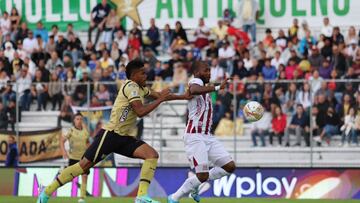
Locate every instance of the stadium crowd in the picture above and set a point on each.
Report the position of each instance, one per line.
(288, 71)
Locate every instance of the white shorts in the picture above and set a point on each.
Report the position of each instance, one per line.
(201, 150)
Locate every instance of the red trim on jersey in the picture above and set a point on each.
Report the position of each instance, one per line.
(200, 125)
(189, 126)
(209, 117)
(195, 162)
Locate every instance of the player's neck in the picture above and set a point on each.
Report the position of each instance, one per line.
(77, 127)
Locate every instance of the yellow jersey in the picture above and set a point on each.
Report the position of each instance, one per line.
(123, 117)
(78, 140)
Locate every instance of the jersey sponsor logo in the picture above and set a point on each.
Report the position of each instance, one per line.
(125, 113)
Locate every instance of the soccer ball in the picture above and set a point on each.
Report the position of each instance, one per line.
(253, 111)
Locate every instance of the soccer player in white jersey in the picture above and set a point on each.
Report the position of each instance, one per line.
(202, 148)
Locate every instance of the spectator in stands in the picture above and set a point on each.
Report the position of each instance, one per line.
(61, 45)
(12, 156)
(109, 26)
(327, 29)
(55, 93)
(150, 57)
(3, 117)
(337, 37)
(180, 77)
(325, 69)
(9, 51)
(269, 39)
(294, 29)
(268, 71)
(348, 130)
(338, 60)
(153, 35)
(23, 88)
(212, 51)
(167, 37)
(121, 40)
(45, 73)
(15, 19)
(343, 108)
(74, 48)
(66, 112)
(249, 13)
(8, 94)
(240, 70)
(30, 44)
(134, 45)
(105, 60)
(54, 32)
(179, 32)
(98, 19)
(217, 73)
(103, 94)
(106, 77)
(278, 125)
(315, 58)
(299, 126)
(303, 29)
(331, 128)
(5, 23)
(281, 41)
(81, 91)
(202, 34)
(22, 32)
(306, 43)
(261, 129)
(39, 90)
(277, 60)
(290, 98)
(304, 97)
(226, 54)
(220, 30)
(41, 30)
(326, 50)
(351, 36)
(81, 69)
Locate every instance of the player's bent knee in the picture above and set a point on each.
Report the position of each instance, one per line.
(85, 164)
(203, 177)
(230, 167)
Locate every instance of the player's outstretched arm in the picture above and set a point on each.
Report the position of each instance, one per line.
(196, 89)
(185, 96)
(143, 110)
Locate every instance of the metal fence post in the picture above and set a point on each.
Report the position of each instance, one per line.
(234, 117)
(17, 99)
(311, 125)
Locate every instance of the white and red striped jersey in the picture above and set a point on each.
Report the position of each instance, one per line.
(200, 112)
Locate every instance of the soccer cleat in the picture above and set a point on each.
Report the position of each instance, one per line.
(81, 201)
(195, 195)
(43, 198)
(145, 199)
(170, 200)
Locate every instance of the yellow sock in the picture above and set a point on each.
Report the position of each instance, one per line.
(65, 176)
(147, 174)
(83, 189)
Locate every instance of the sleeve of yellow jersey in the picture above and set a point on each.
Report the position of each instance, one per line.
(67, 135)
(132, 92)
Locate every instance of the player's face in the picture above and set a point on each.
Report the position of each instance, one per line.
(140, 76)
(78, 121)
(204, 73)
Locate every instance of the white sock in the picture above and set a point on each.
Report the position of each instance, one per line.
(189, 185)
(217, 172)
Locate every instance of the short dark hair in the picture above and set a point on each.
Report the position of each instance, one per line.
(132, 66)
(196, 65)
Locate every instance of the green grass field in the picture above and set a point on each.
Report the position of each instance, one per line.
(130, 200)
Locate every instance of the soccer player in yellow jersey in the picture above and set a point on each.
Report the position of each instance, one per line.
(78, 137)
(115, 136)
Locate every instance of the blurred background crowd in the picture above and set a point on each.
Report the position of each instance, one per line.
(302, 78)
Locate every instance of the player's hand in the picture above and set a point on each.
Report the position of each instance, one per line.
(188, 95)
(224, 83)
(165, 95)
